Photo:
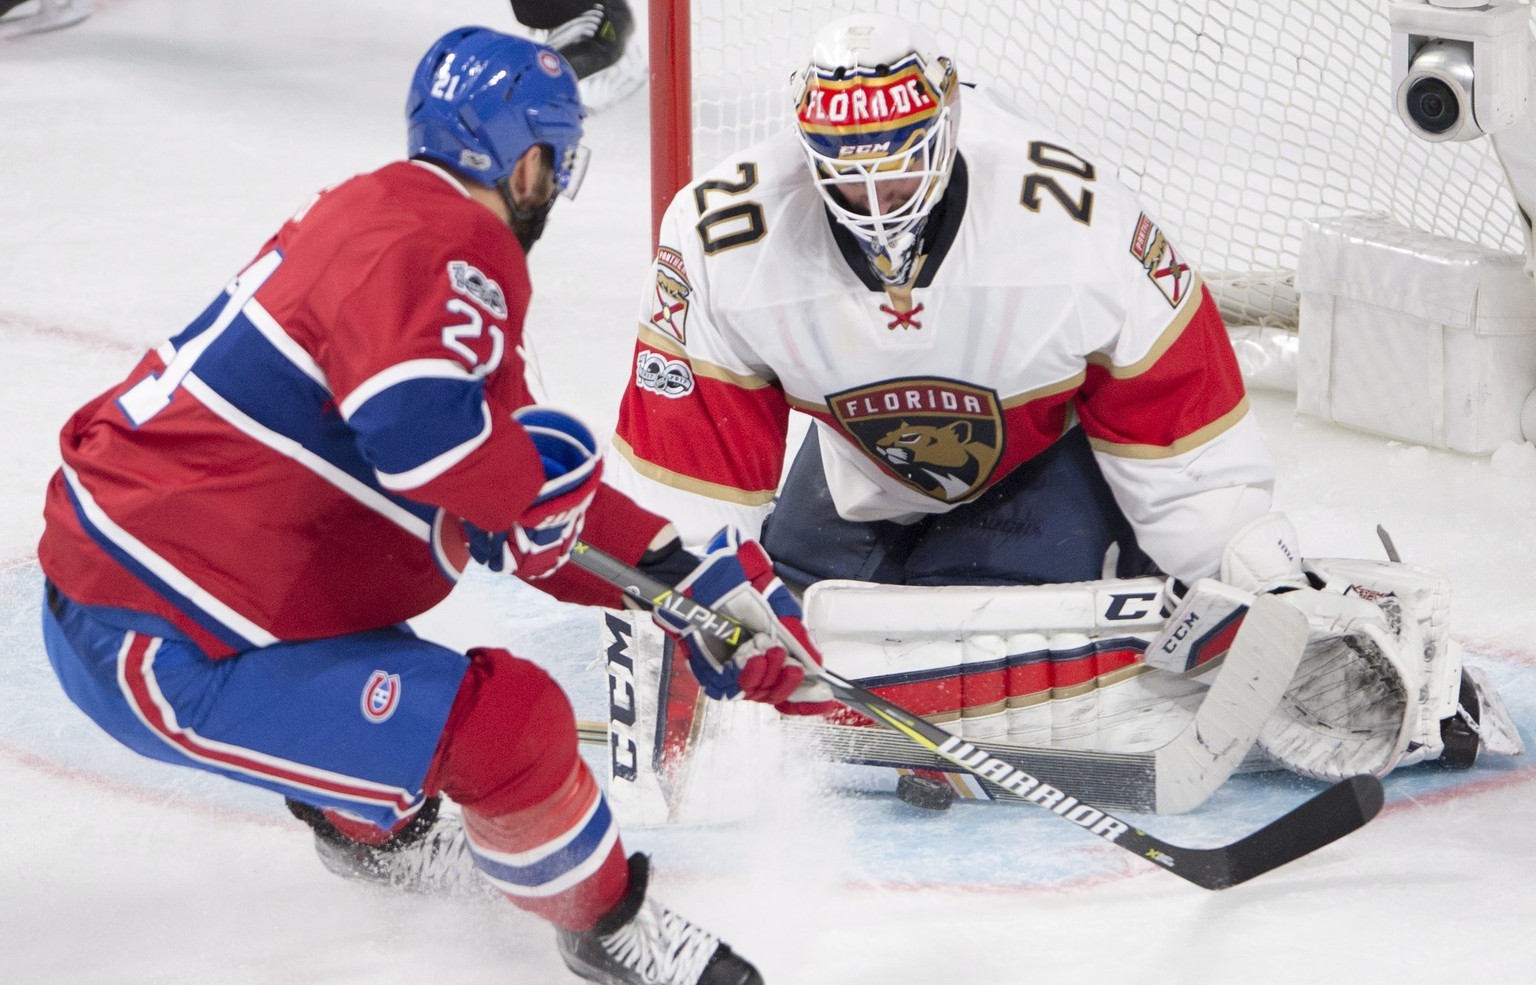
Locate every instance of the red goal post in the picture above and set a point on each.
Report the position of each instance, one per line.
(1234, 120)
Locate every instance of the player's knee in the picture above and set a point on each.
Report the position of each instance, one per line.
(510, 740)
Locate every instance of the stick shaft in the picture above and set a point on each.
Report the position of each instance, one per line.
(1328, 816)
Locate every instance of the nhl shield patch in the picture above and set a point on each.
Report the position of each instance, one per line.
(941, 437)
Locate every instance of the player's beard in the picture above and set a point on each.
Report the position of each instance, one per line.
(527, 224)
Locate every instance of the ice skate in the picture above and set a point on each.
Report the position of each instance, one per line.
(641, 942)
(598, 44)
(32, 16)
(429, 855)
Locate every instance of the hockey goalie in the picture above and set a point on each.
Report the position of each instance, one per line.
(1033, 504)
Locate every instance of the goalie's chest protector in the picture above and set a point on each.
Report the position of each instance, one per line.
(940, 390)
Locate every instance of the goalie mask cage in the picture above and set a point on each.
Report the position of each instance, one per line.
(1235, 121)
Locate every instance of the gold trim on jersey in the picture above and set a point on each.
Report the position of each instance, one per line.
(808, 406)
(710, 490)
(649, 336)
(1164, 341)
(1208, 433)
(1068, 385)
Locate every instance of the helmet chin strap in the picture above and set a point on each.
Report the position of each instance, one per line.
(526, 224)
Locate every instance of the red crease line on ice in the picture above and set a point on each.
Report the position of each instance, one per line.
(129, 791)
(83, 337)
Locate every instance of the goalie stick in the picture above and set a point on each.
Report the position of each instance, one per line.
(1321, 820)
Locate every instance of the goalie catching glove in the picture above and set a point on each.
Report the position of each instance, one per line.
(736, 578)
(1380, 682)
(541, 540)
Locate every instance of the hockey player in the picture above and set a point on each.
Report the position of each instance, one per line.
(596, 38)
(1009, 366)
(1013, 375)
(241, 528)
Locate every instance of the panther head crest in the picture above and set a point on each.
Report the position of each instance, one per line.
(935, 457)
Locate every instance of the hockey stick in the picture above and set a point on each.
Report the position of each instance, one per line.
(1321, 820)
(1117, 780)
(1180, 775)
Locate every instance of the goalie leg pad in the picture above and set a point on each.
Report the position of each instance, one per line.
(959, 656)
(675, 756)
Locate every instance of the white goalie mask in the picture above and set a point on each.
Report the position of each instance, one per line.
(877, 112)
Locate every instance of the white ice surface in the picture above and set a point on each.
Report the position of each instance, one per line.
(146, 154)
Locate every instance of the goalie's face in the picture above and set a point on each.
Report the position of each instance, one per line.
(880, 145)
(878, 196)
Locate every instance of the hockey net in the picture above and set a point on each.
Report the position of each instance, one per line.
(1234, 120)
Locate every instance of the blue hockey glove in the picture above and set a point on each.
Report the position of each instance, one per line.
(736, 578)
(541, 540)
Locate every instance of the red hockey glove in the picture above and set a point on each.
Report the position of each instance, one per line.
(541, 540)
(736, 579)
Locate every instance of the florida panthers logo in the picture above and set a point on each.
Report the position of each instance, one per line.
(670, 313)
(941, 454)
(381, 696)
(1151, 248)
(941, 437)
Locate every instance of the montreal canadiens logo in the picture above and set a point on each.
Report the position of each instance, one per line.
(550, 63)
(381, 696)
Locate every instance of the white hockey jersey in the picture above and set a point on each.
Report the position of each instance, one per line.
(1046, 297)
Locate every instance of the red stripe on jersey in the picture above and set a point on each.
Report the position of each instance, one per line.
(1190, 386)
(707, 433)
(136, 676)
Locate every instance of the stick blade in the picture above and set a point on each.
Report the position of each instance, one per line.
(1259, 667)
(1342, 808)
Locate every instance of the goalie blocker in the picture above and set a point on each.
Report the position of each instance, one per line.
(1098, 668)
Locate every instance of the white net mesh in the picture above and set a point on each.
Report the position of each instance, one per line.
(1234, 120)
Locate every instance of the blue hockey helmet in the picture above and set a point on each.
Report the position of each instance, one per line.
(480, 99)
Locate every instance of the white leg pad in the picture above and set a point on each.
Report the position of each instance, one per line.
(1045, 665)
(674, 755)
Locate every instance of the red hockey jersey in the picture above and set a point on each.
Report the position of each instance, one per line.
(288, 466)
